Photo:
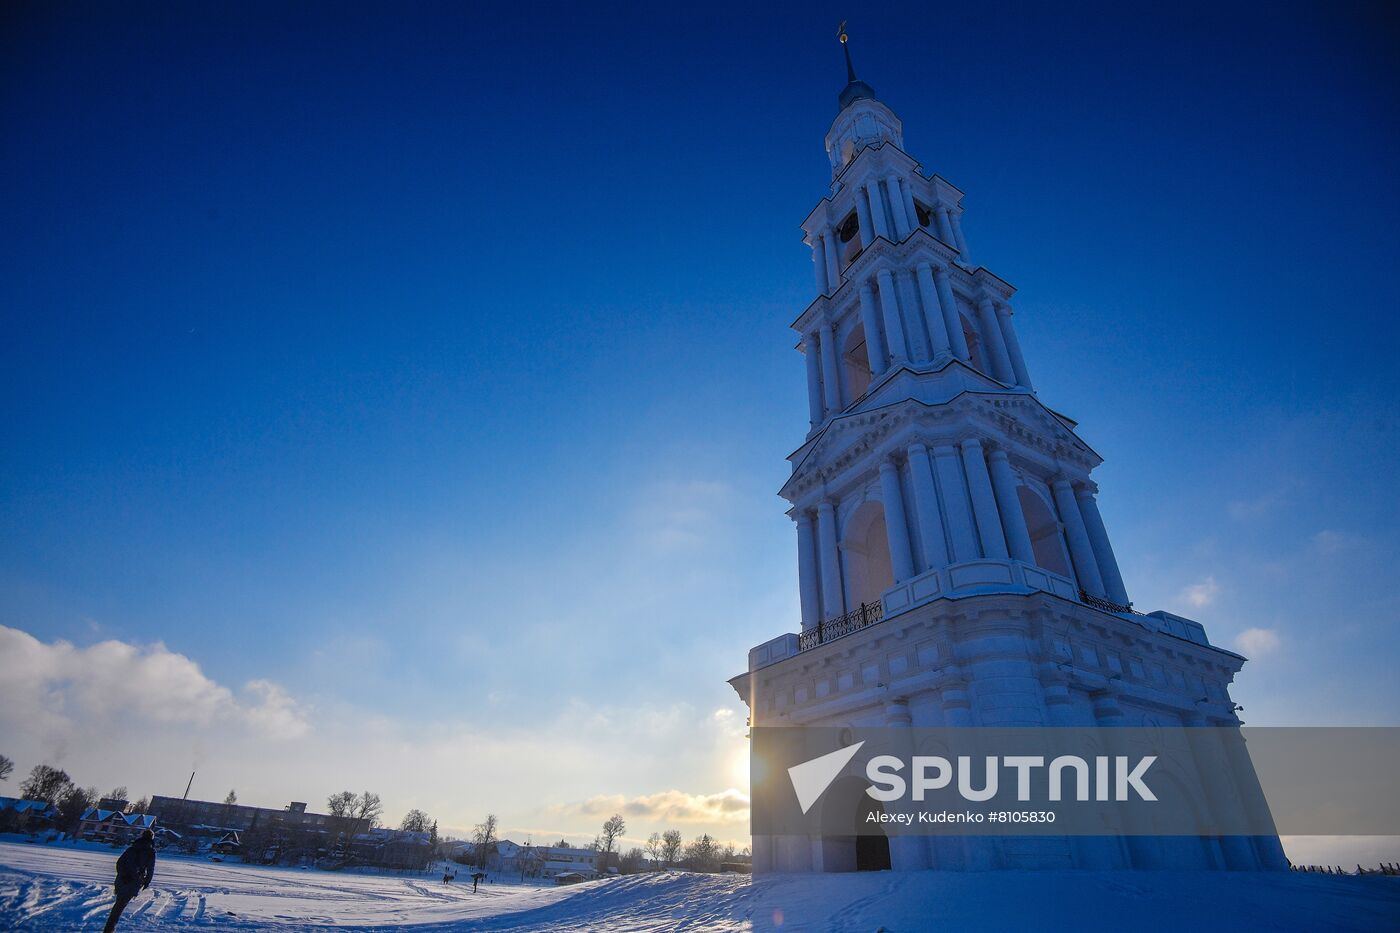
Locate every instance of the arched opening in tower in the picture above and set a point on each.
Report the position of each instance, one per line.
(852, 835)
(865, 548)
(855, 359)
(1047, 542)
(849, 235)
(974, 344)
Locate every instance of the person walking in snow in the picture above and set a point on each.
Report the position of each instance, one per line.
(135, 869)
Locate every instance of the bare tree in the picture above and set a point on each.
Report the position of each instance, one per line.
(416, 821)
(74, 803)
(612, 829)
(484, 837)
(366, 812)
(529, 859)
(140, 806)
(702, 854)
(670, 846)
(47, 783)
(7, 768)
(654, 848)
(341, 808)
(117, 793)
(231, 799)
(631, 861)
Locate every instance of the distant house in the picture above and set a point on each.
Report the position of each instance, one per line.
(228, 844)
(558, 860)
(393, 848)
(113, 826)
(25, 816)
(570, 877)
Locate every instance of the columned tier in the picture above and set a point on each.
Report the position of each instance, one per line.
(907, 303)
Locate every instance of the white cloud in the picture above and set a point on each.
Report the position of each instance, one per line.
(1257, 642)
(1201, 594)
(676, 806)
(54, 687)
(1328, 541)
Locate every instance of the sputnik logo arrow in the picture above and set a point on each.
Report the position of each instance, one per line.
(811, 778)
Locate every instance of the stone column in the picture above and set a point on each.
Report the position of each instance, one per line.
(930, 517)
(1103, 551)
(831, 386)
(955, 508)
(1013, 519)
(978, 853)
(1086, 567)
(910, 211)
(1132, 849)
(896, 526)
(833, 597)
(1013, 347)
(909, 851)
(807, 570)
(945, 226)
(874, 343)
(894, 327)
(952, 320)
(812, 352)
(819, 262)
(902, 226)
(867, 227)
(933, 310)
(832, 242)
(997, 357)
(984, 503)
(909, 301)
(877, 209)
(955, 217)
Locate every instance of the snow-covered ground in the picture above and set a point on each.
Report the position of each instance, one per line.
(61, 888)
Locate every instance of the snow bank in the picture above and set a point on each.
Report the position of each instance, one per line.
(60, 888)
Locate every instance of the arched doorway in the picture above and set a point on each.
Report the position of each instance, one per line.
(1044, 528)
(865, 547)
(853, 839)
(855, 363)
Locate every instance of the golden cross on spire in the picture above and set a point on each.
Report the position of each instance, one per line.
(841, 32)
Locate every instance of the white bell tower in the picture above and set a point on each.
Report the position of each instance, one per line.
(954, 566)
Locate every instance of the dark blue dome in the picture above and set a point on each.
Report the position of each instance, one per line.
(856, 90)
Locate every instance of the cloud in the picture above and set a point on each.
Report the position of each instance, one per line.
(54, 686)
(673, 806)
(1328, 541)
(682, 515)
(1201, 594)
(1257, 642)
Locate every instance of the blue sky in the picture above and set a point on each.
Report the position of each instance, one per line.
(422, 374)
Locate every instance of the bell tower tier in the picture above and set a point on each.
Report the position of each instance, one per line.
(953, 562)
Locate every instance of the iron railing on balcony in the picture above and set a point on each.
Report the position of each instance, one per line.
(1106, 605)
(841, 626)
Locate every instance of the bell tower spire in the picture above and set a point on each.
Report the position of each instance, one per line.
(855, 89)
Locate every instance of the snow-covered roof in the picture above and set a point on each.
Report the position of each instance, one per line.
(25, 806)
(141, 820)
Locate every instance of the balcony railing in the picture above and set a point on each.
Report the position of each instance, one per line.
(841, 626)
(1106, 605)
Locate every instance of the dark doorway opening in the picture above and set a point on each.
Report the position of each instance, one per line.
(873, 853)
